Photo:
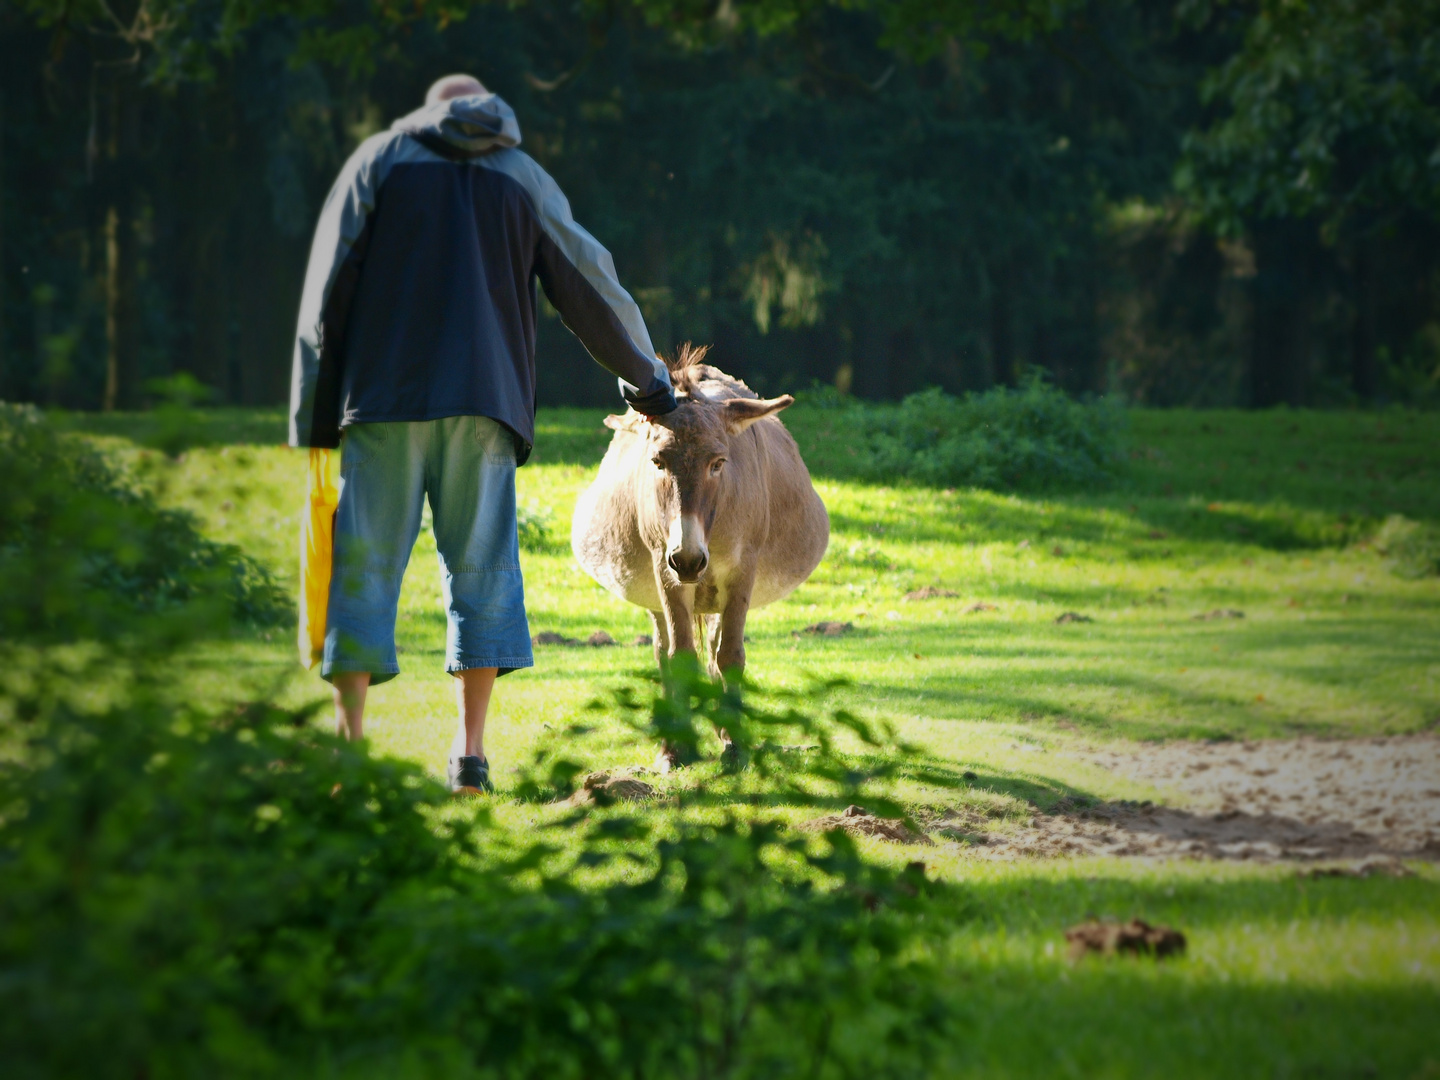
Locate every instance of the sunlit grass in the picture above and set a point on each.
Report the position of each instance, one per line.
(1284, 976)
(1330, 642)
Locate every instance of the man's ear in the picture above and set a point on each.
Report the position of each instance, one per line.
(628, 421)
(740, 413)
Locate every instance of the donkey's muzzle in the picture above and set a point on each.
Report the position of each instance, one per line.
(688, 566)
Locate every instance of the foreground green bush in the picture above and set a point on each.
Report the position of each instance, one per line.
(81, 553)
(237, 895)
(230, 892)
(1034, 438)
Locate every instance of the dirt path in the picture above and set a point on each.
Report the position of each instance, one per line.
(1300, 799)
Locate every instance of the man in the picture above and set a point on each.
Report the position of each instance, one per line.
(416, 343)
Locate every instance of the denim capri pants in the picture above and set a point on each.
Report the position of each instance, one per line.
(466, 465)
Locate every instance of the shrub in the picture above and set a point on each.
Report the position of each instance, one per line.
(1034, 438)
(1412, 548)
(236, 893)
(80, 551)
(243, 895)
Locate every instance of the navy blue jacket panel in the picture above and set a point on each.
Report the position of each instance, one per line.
(420, 300)
(443, 320)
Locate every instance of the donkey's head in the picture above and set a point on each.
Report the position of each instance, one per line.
(688, 452)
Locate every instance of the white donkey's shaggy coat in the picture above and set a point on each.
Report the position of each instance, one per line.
(702, 514)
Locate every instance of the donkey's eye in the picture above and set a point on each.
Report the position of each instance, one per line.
(657, 462)
(716, 466)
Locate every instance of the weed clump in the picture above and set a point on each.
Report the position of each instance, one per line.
(534, 525)
(1412, 548)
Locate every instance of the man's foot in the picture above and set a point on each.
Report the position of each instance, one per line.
(470, 775)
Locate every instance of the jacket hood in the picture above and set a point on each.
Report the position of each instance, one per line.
(472, 125)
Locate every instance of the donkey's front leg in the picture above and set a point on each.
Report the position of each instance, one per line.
(661, 641)
(729, 652)
(679, 613)
(674, 634)
(730, 639)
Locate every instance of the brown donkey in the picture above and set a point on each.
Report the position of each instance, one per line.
(702, 514)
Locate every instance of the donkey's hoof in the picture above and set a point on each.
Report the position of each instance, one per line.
(732, 758)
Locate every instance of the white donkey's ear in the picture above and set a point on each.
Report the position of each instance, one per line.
(740, 413)
(628, 421)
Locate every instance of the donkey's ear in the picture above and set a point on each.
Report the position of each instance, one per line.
(741, 412)
(628, 421)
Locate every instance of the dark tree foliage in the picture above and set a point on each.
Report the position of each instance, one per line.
(1327, 151)
(1331, 110)
(887, 196)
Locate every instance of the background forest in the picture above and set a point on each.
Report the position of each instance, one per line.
(1182, 204)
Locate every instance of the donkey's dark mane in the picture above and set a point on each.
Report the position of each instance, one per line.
(684, 365)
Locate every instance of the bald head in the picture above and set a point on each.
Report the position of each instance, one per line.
(453, 86)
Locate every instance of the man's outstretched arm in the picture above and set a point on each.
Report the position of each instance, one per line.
(579, 278)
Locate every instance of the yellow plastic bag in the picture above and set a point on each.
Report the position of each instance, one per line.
(317, 549)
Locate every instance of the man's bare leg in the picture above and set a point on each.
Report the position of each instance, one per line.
(472, 699)
(350, 688)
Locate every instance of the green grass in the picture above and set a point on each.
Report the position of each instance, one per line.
(1268, 513)
(1284, 977)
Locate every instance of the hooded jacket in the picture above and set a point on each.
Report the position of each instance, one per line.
(420, 301)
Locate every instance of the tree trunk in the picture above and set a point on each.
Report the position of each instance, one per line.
(1278, 352)
(3, 356)
(870, 377)
(1002, 330)
(119, 242)
(122, 369)
(112, 309)
(1363, 341)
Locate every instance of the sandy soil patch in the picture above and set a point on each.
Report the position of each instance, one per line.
(1296, 799)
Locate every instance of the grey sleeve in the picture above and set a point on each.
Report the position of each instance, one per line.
(579, 277)
(334, 270)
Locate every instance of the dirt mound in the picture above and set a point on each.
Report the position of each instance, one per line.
(858, 821)
(931, 592)
(827, 629)
(604, 788)
(1220, 613)
(549, 637)
(979, 606)
(1073, 616)
(1136, 936)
